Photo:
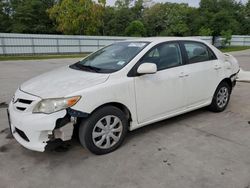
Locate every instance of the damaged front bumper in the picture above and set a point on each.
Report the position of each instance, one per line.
(35, 131)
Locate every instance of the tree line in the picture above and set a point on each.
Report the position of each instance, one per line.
(125, 18)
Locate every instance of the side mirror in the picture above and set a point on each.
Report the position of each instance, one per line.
(147, 68)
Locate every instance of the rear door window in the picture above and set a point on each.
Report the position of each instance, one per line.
(198, 52)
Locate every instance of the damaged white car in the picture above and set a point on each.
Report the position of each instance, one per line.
(121, 87)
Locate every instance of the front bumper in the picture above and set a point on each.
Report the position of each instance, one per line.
(32, 131)
(234, 78)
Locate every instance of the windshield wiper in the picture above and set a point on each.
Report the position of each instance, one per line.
(86, 67)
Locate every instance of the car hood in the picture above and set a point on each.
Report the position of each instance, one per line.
(62, 82)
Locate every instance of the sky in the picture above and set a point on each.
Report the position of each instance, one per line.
(193, 3)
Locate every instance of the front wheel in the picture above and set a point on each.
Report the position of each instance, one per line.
(221, 98)
(104, 131)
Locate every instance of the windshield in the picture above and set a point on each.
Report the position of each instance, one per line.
(111, 58)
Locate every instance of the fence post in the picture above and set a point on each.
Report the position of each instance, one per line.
(33, 46)
(244, 41)
(98, 44)
(79, 44)
(3, 45)
(57, 45)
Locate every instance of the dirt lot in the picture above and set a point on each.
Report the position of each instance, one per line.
(198, 149)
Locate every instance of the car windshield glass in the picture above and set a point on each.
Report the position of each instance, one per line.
(111, 58)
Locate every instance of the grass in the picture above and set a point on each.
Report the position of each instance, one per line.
(37, 57)
(234, 48)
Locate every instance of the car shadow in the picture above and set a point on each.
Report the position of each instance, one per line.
(170, 122)
(59, 146)
(60, 150)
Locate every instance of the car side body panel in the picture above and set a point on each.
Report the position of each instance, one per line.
(120, 88)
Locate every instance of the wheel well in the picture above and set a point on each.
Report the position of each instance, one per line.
(121, 106)
(228, 81)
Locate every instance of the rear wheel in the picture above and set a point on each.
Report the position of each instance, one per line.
(104, 131)
(221, 98)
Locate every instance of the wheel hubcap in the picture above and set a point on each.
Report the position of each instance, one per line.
(107, 132)
(222, 97)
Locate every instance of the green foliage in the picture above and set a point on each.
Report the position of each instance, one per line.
(77, 16)
(167, 19)
(246, 20)
(220, 15)
(153, 19)
(135, 29)
(227, 36)
(35, 57)
(123, 3)
(127, 17)
(5, 21)
(223, 21)
(248, 8)
(138, 8)
(108, 16)
(234, 48)
(205, 31)
(117, 20)
(29, 16)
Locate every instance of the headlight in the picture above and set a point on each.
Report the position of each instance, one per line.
(48, 106)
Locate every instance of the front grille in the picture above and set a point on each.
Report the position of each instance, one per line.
(25, 101)
(22, 134)
(21, 108)
(22, 104)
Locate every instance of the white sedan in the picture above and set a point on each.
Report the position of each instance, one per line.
(121, 87)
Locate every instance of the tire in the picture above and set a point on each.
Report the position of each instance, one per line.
(104, 131)
(221, 98)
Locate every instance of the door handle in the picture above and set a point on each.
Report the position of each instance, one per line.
(217, 67)
(182, 75)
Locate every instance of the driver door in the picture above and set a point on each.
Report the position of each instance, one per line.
(163, 93)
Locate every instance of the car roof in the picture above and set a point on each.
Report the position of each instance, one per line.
(164, 39)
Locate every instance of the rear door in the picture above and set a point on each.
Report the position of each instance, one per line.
(202, 73)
